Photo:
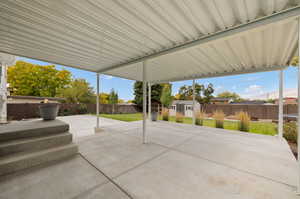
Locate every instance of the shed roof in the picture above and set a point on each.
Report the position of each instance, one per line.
(180, 39)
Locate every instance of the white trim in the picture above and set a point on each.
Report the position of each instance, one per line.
(194, 111)
(144, 102)
(149, 101)
(298, 121)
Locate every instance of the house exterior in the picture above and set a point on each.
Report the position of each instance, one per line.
(183, 106)
(288, 100)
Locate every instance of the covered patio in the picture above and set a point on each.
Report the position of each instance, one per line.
(179, 161)
(155, 42)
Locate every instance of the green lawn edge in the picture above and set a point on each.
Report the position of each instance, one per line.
(265, 128)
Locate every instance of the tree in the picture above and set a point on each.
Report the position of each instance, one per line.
(35, 80)
(113, 97)
(208, 91)
(166, 96)
(156, 90)
(202, 94)
(79, 91)
(230, 95)
(121, 101)
(103, 98)
(295, 61)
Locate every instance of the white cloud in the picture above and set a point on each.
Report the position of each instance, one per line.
(252, 91)
(219, 89)
(253, 88)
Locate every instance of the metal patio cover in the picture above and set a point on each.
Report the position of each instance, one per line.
(178, 39)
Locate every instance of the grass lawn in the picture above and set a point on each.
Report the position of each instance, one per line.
(266, 128)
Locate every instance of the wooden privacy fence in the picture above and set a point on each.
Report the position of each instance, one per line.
(255, 111)
(26, 110)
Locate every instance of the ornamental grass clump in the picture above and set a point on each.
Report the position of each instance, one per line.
(290, 131)
(165, 114)
(244, 121)
(200, 115)
(179, 117)
(219, 116)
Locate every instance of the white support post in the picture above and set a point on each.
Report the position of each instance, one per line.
(298, 121)
(280, 105)
(97, 128)
(144, 101)
(3, 94)
(194, 96)
(149, 101)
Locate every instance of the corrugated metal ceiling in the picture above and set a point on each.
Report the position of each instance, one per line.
(96, 35)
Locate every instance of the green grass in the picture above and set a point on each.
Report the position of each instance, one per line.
(124, 117)
(266, 128)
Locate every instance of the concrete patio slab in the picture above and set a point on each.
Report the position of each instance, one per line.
(106, 191)
(118, 153)
(179, 161)
(177, 175)
(65, 179)
(244, 157)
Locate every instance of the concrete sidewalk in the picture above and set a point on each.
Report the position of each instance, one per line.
(179, 161)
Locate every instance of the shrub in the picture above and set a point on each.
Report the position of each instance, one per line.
(244, 121)
(165, 114)
(179, 117)
(290, 131)
(82, 109)
(200, 115)
(219, 116)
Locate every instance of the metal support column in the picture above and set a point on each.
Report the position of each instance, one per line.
(144, 101)
(97, 128)
(149, 101)
(3, 94)
(194, 96)
(280, 105)
(298, 121)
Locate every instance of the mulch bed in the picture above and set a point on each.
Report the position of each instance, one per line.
(294, 149)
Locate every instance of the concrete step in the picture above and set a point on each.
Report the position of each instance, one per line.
(34, 143)
(19, 161)
(26, 129)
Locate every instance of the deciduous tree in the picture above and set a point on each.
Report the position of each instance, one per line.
(79, 91)
(36, 80)
(156, 90)
(166, 95)
(230, 95)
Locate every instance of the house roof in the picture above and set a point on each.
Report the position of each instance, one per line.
(179, 39)
(186, 102)
(220, 99)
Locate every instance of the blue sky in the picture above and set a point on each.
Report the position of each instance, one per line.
(248, 86)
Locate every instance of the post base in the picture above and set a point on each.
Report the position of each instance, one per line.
(98, 130)
(3, 122)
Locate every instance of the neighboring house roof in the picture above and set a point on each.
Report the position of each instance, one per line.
(185, 102)
(249, 102)
(220, 99)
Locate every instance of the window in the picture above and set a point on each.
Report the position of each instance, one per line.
(188, 107)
